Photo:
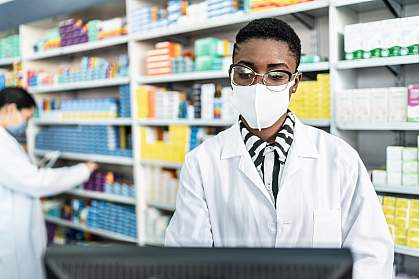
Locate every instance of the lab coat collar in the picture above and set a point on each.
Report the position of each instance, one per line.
(303, 144)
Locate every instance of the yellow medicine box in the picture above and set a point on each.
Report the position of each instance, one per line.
(412, 242)
(402, 212)
(414, 223)
(389, 210)
(414, 213)
(402, 203)
(390, 201)
(400, 232)
(415, 204)
(400, 240)
(390, 219)
(413, 233)
(401, 222)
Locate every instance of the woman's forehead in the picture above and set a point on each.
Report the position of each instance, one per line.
(265, 52)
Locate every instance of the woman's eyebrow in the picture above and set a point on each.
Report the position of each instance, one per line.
(274, 65)
(247, 63)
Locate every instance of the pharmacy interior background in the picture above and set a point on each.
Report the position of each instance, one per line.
(135, 85)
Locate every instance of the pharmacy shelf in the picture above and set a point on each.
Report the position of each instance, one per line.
(189, 122)
(90, 157)
(102, 196)
(79, 48)
(78, 85)
(154, 243)
(377, 62)
(9, 61)
(401, 126)
(191, 76)
(99, 232)
(231, 21)
(216, 123)
(161, 206)
(223, 74)
(366, 5)
(399, 249)
(110, 122)
(405, 190)
(161, 164)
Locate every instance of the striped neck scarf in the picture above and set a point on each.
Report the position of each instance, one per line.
(257, 148)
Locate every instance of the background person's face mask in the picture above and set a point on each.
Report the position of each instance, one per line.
(259, 106)
(18, 130)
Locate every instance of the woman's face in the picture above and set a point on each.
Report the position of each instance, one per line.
(263, 55)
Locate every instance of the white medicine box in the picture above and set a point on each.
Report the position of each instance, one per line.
(378, 105)
(397, 104)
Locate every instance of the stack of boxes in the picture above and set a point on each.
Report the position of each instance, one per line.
(212, 54)
(72, 32)
(158, 60)
(51, 39)
(105, 182)
(392, 37)
(101, 140)
(402, 216)
(124, 101)
(176, 9)
(147, 18)
(413, 103)
(375, 105)
(11, 78)
(158, 144)
(261, 5)
(156, 225)
(207, 102)
(10, 46)
(90, 68)
(112, 217)
(166, 146)
(162, 186)
(75, 31)
(402, 168)
(216, 8)
(312, 100)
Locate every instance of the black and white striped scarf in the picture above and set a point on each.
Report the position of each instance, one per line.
(282, 145)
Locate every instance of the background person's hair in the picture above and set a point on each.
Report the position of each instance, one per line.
(272, 29)
(18, 96)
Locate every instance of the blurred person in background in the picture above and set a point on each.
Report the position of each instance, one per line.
(22, 228)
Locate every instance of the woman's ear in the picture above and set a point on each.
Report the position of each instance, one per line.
(297, 79)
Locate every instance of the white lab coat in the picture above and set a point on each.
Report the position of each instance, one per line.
(22, 227)
(325, 199)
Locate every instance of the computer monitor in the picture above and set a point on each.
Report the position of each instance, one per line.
(132, 262)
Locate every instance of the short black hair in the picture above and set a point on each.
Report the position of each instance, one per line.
(18, 96)
(270, 28)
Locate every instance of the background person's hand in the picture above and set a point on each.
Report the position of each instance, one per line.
(92, 166)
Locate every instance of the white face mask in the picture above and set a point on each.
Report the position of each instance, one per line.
(259, 106)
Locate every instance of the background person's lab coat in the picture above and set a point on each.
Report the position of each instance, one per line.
(22, 227)
(325, 199)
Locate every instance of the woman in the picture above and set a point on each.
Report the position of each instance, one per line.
(22, 227)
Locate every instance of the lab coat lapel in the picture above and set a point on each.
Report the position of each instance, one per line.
(234, 146)
(303, 148)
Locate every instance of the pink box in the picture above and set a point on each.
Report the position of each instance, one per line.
(413, 103)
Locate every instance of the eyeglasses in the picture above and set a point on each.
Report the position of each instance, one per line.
(276, 80)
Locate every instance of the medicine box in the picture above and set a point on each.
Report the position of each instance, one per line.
(397, 100)
(410, 179)
(394, 153)
(379, 177)
(410, 154)
(410, 167)
(394, 166)
(394, 178)
(413, 103)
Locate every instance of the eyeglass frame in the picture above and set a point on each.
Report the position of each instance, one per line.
(290, 75)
